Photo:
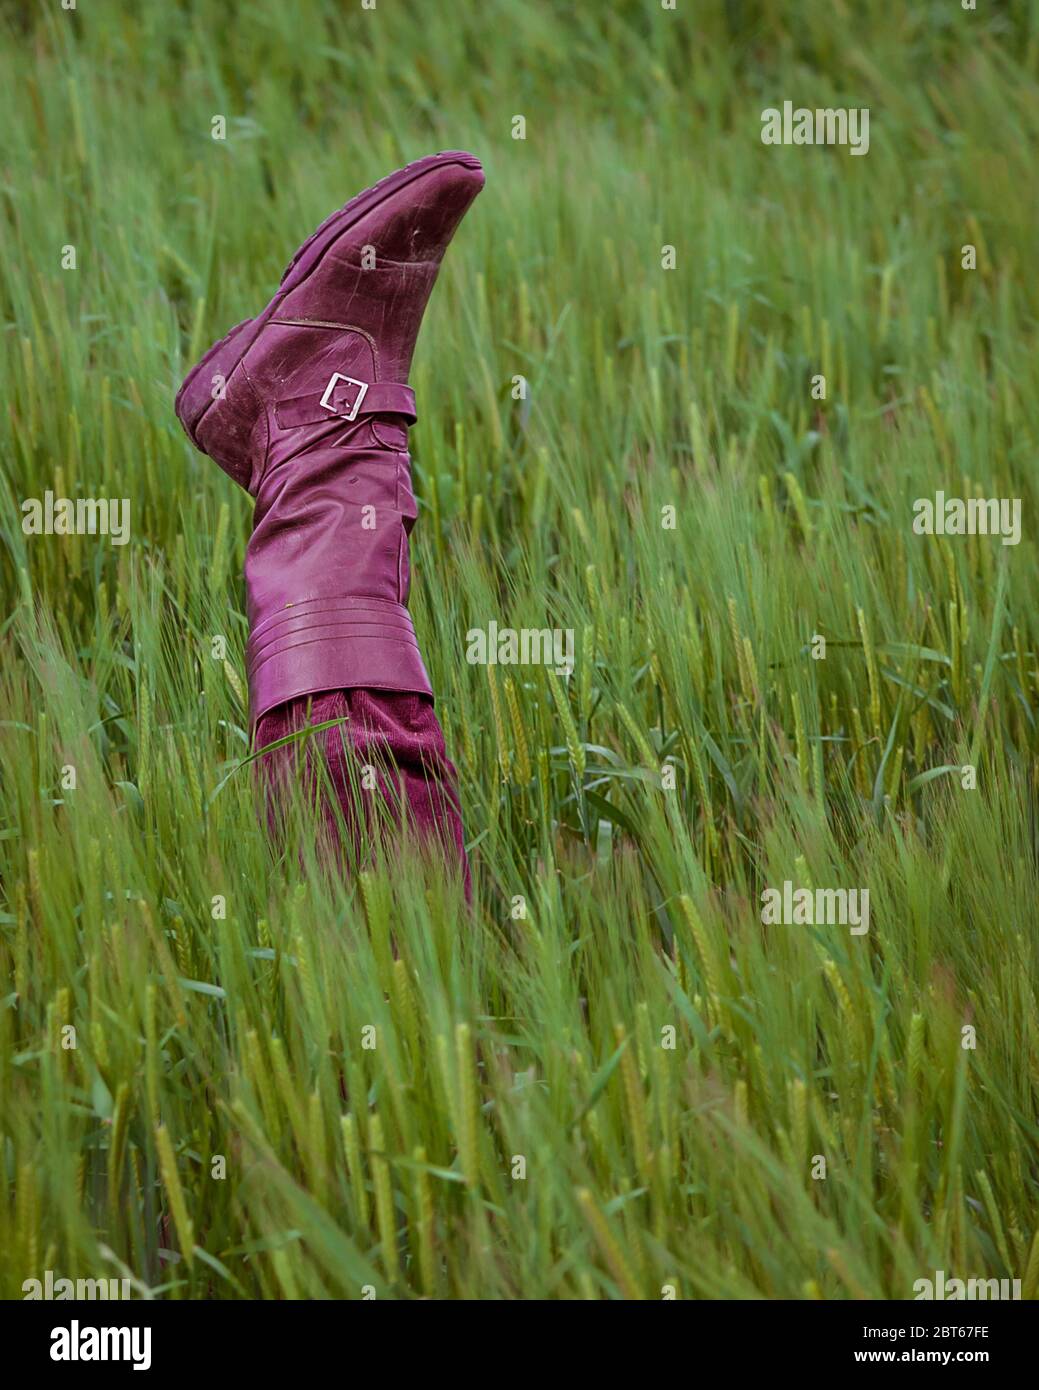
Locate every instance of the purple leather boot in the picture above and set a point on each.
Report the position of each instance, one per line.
(307, 407)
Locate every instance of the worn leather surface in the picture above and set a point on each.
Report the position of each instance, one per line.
(327, 565)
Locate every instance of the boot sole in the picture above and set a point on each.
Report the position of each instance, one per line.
(195, 397)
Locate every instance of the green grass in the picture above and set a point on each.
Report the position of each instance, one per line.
(541, 1036)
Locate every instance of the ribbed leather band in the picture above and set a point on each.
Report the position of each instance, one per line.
(341, 642)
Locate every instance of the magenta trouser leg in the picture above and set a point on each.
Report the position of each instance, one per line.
(307, 406)
(395, 735)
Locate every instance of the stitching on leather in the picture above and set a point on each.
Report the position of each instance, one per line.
(260, 651)
(402, 550)
(388, 608)
(394, 447)
(374, 347)
(343, 327)
(314, 641)
(329, 617)
(310, 323)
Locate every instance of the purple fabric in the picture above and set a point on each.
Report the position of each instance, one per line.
(397, 735)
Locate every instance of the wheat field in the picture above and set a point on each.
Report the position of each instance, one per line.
(228, 1073)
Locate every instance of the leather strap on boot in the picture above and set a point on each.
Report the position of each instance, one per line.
(349, 399)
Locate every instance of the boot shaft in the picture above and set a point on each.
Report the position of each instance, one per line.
(309, 411)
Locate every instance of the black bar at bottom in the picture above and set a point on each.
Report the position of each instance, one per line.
(172, 1337)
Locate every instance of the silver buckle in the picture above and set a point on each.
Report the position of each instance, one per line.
(352, 381)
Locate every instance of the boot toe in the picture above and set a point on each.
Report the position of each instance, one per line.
(416, 223)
